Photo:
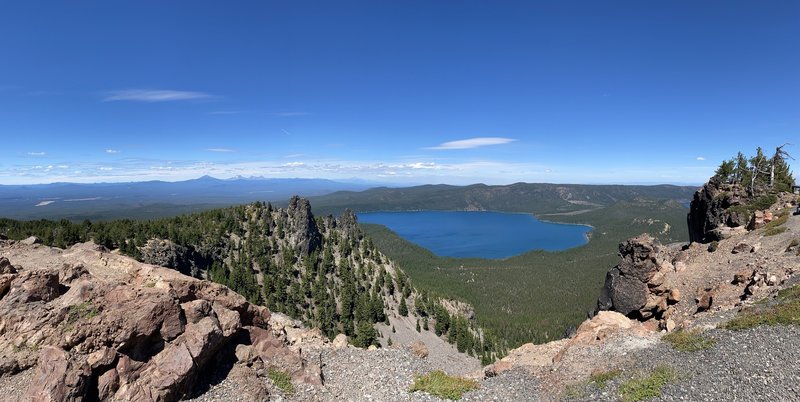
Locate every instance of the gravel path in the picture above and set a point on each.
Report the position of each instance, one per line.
(758, 364)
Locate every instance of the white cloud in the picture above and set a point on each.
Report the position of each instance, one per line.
(470, 143)
(294, 164)
(700, 158)
(220, 150)
(154, 95)
(105, 168)
(112, 151)
(37, 153)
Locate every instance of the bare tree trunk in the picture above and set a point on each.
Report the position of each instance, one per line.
(771, 174)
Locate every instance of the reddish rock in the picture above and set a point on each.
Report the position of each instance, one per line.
(705, 300)
(743, 277)
(133, 331)
(107, 384)
(33, 286)
(56, 378)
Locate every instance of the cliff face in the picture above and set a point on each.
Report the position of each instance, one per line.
(710, 211)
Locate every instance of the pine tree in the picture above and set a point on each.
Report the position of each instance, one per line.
(365, 335)
(403, 309)
(418, 328)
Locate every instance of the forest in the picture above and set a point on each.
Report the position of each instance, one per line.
(320, 270)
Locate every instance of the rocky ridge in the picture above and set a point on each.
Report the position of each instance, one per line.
(89, 324)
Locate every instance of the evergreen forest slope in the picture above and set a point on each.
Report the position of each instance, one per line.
(537, 296)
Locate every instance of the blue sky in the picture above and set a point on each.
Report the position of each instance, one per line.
(396, 92)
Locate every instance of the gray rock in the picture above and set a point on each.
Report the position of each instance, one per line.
(307, 237)
(31, 240)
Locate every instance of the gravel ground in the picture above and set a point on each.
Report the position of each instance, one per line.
(373, 375)
(513, 385)
(12, 387)
(758, 364)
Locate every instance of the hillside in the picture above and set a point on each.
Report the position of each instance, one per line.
(537, 296)
(319, 270)
(537, 198)
(687, 322)
(152, 199)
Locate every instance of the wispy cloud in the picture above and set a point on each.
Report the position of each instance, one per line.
(155, 95)
(291, 114)
(223, 112)
(36, 154)
(220, 150)
(700, 158)
(470, 143)
(112, 151)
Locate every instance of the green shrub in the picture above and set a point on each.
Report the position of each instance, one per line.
(688, 341)
(783, 310)
(602, 377)
(712, 247)
(281, 379)
(647, 386)
(759, 203)
(438, 383)
(774, 231)
(81, 311)
(778, 221)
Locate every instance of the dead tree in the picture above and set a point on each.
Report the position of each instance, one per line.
(780, 155)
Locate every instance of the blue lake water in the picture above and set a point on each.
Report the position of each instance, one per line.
(479, 234)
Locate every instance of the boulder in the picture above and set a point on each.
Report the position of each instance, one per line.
(34, 286)
(107, 384)
(6, 267)
(635, 286)
(57, 378)
(493, 370)
(419, 349)
(340, 341)
(31, 241)
(742, 277)
(166, 253)
(757, 221)
(674, 296)
(705, 300)
(742, 248)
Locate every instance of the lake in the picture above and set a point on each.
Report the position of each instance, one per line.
(479, 234)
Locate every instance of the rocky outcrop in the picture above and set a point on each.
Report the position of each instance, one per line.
(348, 223)
(166, 253)
(305, 234)
(710, 211)
(96, 325)
(635, 287)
